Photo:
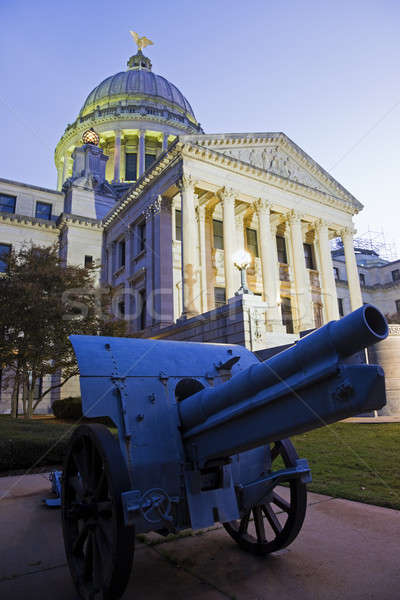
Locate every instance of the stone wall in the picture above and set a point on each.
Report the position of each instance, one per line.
(387, 355)
(240, 321)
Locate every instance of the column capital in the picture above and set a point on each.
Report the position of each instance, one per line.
(186, 182)
(320, 223)
(294, 216)
(261, 204)
(347, 231)
(226, 193)
(154, 208)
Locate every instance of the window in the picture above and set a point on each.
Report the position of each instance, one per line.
(340, 306)
(281, 248)
(218, 232)
(178, 225)
(287, 318)
(219, 296)
(336, 272)
(251, 239)
(5, 250)
(121, 309)
(308, 255)
(88, 262)
(142, 308)
(148, 160)
(121, 254)
(396, 275)
(130, 166)
(142, 236)
(43, 211)
(362, 278)
(397, 303)
(7, 203)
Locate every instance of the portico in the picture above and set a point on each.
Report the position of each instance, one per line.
(283, 215)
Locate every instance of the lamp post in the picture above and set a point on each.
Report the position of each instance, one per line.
(241, 260)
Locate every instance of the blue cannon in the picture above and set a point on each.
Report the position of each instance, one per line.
(202, 438)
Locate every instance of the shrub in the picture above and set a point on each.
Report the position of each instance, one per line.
(68, 408)
(31, 443)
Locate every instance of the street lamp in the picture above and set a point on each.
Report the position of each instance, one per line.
(241, 260)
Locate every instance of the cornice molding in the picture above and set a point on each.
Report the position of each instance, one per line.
(301, 157)
(78, 221)
(190, 150)
(78, 128)
(26, 221)
(238, 166)
(138, 189)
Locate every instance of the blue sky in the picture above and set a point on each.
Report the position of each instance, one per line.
(325, 73)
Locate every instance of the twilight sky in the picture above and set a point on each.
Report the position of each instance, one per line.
(325, 73)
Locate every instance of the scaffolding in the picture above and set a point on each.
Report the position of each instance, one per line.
(372, 241)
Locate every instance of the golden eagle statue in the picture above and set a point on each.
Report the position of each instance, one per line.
(141, 42)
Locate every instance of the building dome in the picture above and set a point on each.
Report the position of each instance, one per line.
(136, 114)
(135, 85)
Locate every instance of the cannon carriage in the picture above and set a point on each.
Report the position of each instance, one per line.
(202, 438)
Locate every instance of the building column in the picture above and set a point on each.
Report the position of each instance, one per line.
(326, 270)
(228, 203)
(268, 257)
(190, 274)
(203, 266)
(141, 152)
(112, 249)
(303, 303)
(122, 159)
(65, 168)
(353, 278)
(165, 142)
(117, 156)
(274, 227)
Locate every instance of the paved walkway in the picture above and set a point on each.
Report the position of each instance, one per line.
(345, 550)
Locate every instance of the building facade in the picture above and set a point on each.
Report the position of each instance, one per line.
(163, 207)
(379, 281)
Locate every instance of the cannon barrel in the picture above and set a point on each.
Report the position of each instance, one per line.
(243, 409)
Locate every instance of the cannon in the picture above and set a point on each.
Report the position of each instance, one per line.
(202, 438)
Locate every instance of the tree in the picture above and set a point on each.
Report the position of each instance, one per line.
(43, 302)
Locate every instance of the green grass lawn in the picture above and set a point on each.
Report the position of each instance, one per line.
(349, 460)
(354, 460)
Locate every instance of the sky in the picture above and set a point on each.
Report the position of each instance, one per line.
(325, 73)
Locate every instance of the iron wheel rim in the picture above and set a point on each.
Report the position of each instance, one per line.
(281, 530)
(98, 545)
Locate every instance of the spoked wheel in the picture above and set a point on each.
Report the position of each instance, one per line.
(98, 545)
(269, 527)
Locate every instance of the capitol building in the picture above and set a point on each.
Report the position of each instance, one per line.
(163, 209)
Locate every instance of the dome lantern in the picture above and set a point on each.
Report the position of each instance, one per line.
(139, 61)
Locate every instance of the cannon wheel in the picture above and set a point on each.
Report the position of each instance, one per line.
(283, 518)
(98, 545)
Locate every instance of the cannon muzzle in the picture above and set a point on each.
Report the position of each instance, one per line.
(313, 385)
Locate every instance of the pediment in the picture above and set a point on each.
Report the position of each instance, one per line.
(277, 154)
(275, 160)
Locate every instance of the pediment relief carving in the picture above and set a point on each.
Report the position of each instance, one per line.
(275, 160)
